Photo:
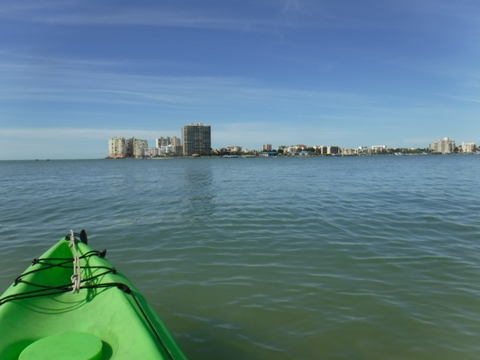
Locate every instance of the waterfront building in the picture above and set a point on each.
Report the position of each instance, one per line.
(170, 150)
(165, 141)
(138, 147)
(196, 139)
(171, 146)
(250, 152)
(117, 147)
(164, 150)
(267, 147)
(348, 152)
(333, 150)
(175, 141)
(152, 152)
(294, 149)
(234, 149)
(379, 149)
(129, 147)
(269, 153)
(177, 150)
(363, 150)
(162, 141)
(445, 146)
(468, 148)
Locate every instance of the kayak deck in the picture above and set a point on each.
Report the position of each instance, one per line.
(107, 309)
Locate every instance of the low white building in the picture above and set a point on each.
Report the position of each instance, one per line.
(234, 149)
(293, 149)
(379, 149)
(469, 148)
(363, 150)
(348, 152)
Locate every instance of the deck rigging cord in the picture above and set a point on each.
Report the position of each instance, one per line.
(77, 269)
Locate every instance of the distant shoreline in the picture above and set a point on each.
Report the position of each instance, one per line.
(240, 156)
(279, 156)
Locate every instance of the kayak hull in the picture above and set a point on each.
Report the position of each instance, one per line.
(107, 306)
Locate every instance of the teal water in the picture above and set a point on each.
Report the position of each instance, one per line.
(309, 258)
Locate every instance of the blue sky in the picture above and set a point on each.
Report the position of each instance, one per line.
(348, 73)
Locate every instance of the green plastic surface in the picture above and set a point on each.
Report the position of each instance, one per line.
(70, 345)
(108, 313)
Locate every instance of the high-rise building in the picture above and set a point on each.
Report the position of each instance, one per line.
(267, 147)
(139, 147)
(117, 147)
(174, 141)
(162, 141)
(445, 146)
(196, 139)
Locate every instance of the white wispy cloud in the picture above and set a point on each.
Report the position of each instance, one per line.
(466, 98)
(80, 82)
(94, 13)
(82, 133)
(265, 17)
(26, 87)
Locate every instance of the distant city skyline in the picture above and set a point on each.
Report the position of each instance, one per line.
(196, 141)
(399, 73)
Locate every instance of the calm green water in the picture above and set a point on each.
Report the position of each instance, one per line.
(314, 258)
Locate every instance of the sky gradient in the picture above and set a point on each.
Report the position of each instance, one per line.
(346, 73)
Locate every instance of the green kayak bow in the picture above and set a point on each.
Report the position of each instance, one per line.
(71, 303)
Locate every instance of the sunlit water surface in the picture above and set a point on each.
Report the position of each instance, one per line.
(266, 258)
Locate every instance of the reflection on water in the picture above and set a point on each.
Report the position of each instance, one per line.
(199, 190)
